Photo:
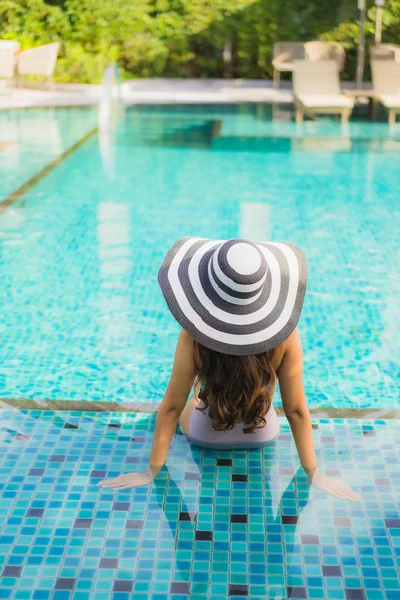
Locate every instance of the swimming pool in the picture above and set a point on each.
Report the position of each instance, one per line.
(83, 318)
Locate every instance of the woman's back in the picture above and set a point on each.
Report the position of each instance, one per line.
(248, 377)
(203, 432)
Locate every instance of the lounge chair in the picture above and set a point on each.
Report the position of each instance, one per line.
(385, 52)
(284, 53)
(326, 51)
(386, 83)
(39, 61)
(8, 58)
(316, 89)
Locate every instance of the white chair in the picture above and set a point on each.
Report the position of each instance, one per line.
(316, 89)
(8, 58)
(39, 61)
(326, 51)
(284, 53)
(385, 52)
(386, 83)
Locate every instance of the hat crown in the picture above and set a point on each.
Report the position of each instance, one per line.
(237, 271)
(241, 261)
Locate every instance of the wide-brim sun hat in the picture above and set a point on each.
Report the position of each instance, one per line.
(235, 296)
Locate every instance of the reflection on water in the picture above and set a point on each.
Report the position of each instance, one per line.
(170, 131)
(235, 524)
(255, 221)
(107, 152)
(115, 269)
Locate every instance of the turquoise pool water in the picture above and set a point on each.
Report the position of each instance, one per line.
(35, 137)
(82, 316)
(83, 319)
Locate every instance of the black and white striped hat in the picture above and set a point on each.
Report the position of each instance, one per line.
(236, 296)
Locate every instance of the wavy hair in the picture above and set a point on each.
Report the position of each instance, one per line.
(235, 387)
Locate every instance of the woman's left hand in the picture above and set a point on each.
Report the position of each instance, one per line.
(334, 487)
(130, 480)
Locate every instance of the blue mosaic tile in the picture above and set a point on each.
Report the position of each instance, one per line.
(224, 524)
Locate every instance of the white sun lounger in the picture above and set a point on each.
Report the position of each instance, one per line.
(284, 55)
(316, 89)
(39, 61)
(386, 82)
(326, 51)
(8, 58)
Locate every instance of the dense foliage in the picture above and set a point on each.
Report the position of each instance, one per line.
(183, 38)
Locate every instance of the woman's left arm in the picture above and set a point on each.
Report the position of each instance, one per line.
(297, 413)
(173, 403)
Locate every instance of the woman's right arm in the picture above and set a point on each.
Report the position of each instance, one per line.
(290, 375)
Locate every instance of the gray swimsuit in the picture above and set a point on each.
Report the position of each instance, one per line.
(202, 433)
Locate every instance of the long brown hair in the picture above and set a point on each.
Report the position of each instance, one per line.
(235, 387)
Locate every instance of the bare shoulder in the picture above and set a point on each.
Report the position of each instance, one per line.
(293, 342)
(182, 376)
(290, 376)
(292, 354)
(186, 337)
(184, 354)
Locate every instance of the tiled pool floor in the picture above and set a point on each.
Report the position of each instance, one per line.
(228, 524)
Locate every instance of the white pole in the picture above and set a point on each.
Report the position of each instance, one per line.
(227, 58)
(378, 21)
(361, 45)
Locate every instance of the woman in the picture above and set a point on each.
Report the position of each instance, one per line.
(238, 303)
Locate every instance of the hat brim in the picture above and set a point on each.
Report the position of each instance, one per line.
(228, 328)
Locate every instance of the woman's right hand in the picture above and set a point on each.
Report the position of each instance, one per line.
(333, 487)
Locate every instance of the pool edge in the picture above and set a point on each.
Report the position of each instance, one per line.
(321, 412)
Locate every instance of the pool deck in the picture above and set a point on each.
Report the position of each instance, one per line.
(150, 91)
(147, 91)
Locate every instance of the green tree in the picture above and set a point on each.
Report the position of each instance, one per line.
(184, 38)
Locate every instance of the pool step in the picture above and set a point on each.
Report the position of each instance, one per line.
(171, 132)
